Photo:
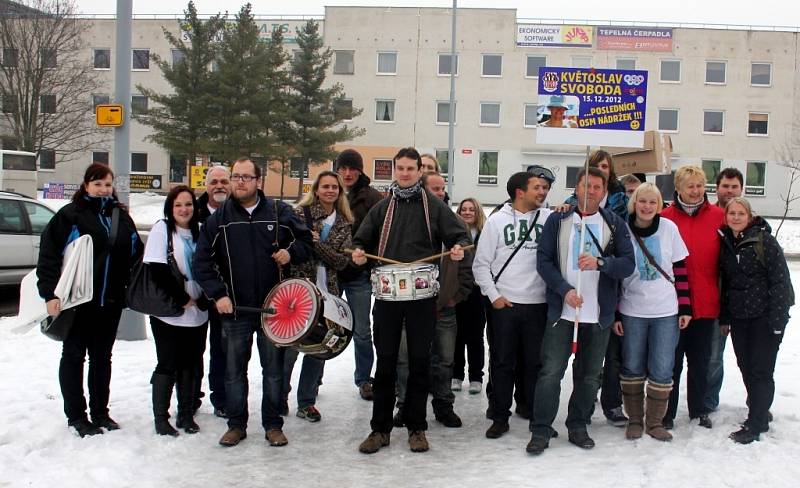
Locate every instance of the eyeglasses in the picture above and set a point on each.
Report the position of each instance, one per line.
(245, 178)
(219, 182)
(542, 172)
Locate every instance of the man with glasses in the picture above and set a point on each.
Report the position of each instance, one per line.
(240, 253)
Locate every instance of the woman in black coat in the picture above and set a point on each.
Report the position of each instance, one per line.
(756, 296)
(95, 324)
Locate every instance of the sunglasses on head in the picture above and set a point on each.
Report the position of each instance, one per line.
(542, 172)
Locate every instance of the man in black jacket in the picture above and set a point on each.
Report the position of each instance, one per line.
(354, 280)
(239, 256)
(409, 226)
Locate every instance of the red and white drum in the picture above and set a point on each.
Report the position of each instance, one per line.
(310, 320)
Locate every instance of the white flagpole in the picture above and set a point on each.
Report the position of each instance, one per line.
(580, 249)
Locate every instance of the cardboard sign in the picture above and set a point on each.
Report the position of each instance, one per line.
(654, 157)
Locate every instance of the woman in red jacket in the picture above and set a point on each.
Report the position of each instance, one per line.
(697, 220)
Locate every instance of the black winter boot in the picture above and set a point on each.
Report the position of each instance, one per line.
(186, 400)
(162, 394)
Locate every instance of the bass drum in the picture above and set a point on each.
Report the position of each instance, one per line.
(310, 320)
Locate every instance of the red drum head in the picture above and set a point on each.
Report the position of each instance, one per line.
(296, 305)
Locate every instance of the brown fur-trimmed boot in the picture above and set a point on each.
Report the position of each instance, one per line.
(657, 401)
(633, 399)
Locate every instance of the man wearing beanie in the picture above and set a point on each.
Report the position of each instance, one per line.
(354, 280)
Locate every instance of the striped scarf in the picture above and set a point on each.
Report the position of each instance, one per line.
(403, 194)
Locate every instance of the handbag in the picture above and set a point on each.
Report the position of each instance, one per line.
(146, 295)
(58, 327)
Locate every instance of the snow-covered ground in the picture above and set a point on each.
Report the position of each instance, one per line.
(37, 449)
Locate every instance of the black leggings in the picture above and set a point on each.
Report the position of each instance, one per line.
(178, 348)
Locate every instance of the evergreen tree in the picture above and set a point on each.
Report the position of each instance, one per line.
(182, 120)
(316, 109)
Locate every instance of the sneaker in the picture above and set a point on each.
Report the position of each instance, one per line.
(475, 387)
(581, 439)
(537, 445)
(105, 422)
(309, 413)
(365, 390)
(496, 430)
(397, 420)
(745, 436)
(455, 384)
(417, 441)
(221, 413)
(233, 436)
(615, 417)
(374, 442)
(85, 428)
(448, 418)
(704, 421)
(276, 438)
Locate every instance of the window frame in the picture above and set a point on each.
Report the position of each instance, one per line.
(625, 58)
(352, 61)
(711, 133)
(757, 134)
(661, 70)
(133, 58)
(94, 58)
(755, 190)
(439, 64)
(39, 159)
(16, 58)
(455, 115)
(351, 109)
(677, 120)
(146, 103)
(483, 65)
(481, 123)
(525, 106)
(760, 85)
(42, 104)
(527, 57)
(725, 72)
(711, 184)
(394, 111)
(172, 56)
(44, 57)
(146, 162)
(378, 72)
(95, 104)
(95, 160)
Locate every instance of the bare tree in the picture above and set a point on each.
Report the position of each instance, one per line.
(788, 156)
(46, 80)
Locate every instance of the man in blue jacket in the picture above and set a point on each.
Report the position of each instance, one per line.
(601, 256)
(239, 256)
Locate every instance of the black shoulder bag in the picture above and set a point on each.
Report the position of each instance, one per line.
(146, 295)
(519, 246)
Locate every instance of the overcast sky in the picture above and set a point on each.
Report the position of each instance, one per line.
(742, 12)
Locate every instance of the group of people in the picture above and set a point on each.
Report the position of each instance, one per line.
(611, 277)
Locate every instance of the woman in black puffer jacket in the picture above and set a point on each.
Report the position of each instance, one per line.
(756, 296)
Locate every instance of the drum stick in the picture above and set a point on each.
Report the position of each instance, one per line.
(377, 258)
(443, 254)
(240, 308)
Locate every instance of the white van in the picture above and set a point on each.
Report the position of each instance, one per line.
(18, 172)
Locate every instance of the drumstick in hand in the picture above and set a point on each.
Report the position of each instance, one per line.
(377, 258)
(442, 254)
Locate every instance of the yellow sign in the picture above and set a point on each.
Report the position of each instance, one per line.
(197, 178)
(306, 188)
(109, 115)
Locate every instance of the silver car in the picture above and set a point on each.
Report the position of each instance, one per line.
(22, 220)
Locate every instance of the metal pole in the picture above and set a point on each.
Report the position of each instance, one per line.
(122, 95)
(451, 123)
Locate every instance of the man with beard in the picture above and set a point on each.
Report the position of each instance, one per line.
(240, 253)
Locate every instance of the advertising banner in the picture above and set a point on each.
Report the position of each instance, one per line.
(650, 39)
(59, 191)
(383, 170)
(536, 35)
(197, 177)
(146, 182)
(587, 106)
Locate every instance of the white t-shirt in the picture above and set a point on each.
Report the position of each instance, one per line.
(590, 311)
(322, 272)
(646, 293)
(156, 252)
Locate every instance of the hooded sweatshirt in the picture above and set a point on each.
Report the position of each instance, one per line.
(519, 282)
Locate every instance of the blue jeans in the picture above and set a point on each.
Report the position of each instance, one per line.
(237, 340)
(310, 376)
(359, 296)
(588, 367)
(715, 369)
(648, 347)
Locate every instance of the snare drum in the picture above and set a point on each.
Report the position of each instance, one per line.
(401, 282)
(312, 321)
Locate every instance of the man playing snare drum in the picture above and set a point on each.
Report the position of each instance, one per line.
(410, 225)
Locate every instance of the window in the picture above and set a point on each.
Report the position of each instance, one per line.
(387, 63)
(178, 56)
(668, 119)
(443, 113)
(670, 71)
(382, 170)
(98, 100)
(711, 169)
(138, 162)
(47, 159)
(581, 61)
(715, 72)
(487, 167)
(47, 104)
(13, 221)
(384, 110)
(755, 178)
(10, 57)
(492, 65)
(666, 184)
(49, 58)
(572, 176)
(757, 124)
(102, 59)
(139, 104)
(713, 121)
(296, 165)
(141, 60)
(626, 63)
(444, 64)
(531, 115)
(177, 168)
(343, 108)
(533, 64)
(761, 74)
(490, 113)
(38, 215)
(100, 157)
(343, 62)
(9, 105)
(443, 156)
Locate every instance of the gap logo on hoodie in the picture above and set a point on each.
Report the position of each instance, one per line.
(512, 234)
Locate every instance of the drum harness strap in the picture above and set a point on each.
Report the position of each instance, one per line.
(387, 220)
(277, 229)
